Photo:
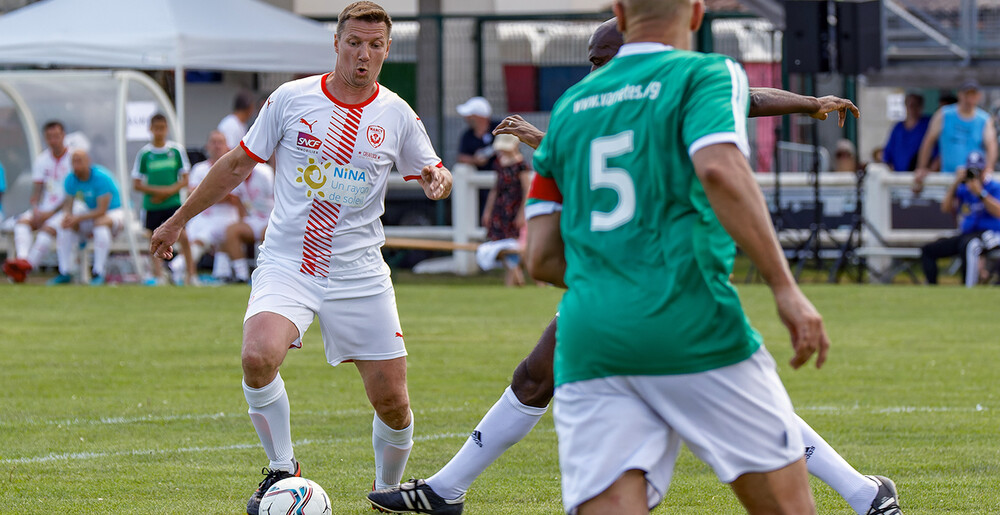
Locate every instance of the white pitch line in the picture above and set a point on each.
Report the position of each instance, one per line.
(203, 416)
(83, 456)
(893, 409)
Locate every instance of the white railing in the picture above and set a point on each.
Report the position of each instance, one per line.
(880, 186)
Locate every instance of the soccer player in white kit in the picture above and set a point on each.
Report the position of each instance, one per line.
(48, 173)
(335, 137)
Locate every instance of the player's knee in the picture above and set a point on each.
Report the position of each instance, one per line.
(532, 389)
(258, 360)
(393, 409)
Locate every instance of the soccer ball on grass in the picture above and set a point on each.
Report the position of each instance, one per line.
(296, 495)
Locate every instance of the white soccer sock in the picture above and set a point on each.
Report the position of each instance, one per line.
(269, 413)
(102, 247)
(507, 423)
(66, 242)
(242, 269)
(41, 247)
(178, 268)
(392, 448)
(22, 241)
(824, 463)
(221, 266)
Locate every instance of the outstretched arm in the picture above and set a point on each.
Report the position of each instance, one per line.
(777, 102)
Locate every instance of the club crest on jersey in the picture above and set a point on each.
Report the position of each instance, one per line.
(376, 135)
(308, 142)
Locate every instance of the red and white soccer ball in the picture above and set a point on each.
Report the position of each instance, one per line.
(295, 495)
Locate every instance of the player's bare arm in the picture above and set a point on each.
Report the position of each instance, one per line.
(103, 202)
(544, 253)
(517, 126)
(990, 143)
(778, 102)
(740, 207)
(227, 173)
(436, 182)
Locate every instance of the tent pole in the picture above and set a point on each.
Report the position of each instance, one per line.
(124, 177)
(179, 103)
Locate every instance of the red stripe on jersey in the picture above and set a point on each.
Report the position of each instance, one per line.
(317, 243)
(251, 154)
(544, 188)
(411, 177)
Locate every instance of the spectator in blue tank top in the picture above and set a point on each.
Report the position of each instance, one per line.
(958, 130)
(901, 150)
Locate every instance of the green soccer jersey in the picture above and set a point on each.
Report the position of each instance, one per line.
(160, 166)
(647, 261)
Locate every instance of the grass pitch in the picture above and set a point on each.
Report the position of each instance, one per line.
(128, 399)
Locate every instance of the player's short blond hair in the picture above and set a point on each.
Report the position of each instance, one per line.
(364, 11)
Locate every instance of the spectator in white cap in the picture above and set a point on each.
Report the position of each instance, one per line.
(476, 146)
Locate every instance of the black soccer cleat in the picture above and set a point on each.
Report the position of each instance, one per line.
(270, 478)
(415, 496)
(886, 500)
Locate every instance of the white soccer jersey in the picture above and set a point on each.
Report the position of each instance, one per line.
(224, 211)
(333, 162)
(257, 192)
(51, 171)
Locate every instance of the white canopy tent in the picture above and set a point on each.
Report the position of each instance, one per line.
(236, 35)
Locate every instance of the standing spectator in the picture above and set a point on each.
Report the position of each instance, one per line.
(476, 146)
(234, 124)
(901, 150)
(975, 196)
(256, 197)
(102, 218)
(48, 173)
(846, 157)
(160, 173)
(957, 130)
(503, 215)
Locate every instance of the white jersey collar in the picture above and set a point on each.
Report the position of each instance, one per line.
(645, 47)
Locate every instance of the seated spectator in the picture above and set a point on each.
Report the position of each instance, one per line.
(48, 172)
(476, 146)
(207, 230)
(904, 141)
(102, 218)
(256, 195)
(975, 196)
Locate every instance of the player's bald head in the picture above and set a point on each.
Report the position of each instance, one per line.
(652, 20)
(604, 44)
(639, 9)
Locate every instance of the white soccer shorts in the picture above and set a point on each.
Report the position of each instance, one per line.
(257, 225)
(737, 419)
(209, 230)
(357, 315)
